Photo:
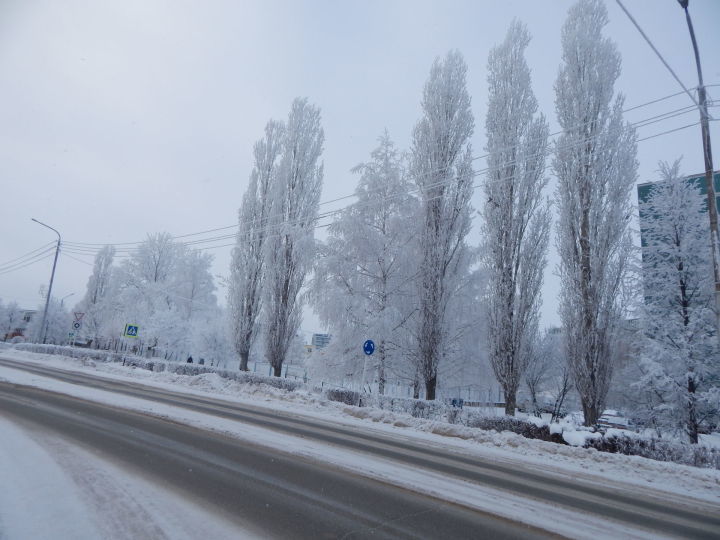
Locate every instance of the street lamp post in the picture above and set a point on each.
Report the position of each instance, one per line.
(43, 329)
(707, 153)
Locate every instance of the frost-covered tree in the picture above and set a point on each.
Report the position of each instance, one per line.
(194, 288)
(516, 214)
(680, 362)
(210, 338)
(441, 166)
(290, 249)
(547, 378)
(163, 286)
(364, 276)
(97, 304)
(10, 318)
(57, 323)
(596, 168)
(248, 257)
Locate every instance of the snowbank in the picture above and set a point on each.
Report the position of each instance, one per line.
(581, 462)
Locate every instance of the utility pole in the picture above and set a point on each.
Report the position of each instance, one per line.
(707, 153)
(43, 328)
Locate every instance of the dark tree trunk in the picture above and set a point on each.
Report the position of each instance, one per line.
(692, 424)
(277, 371)
(591, 414)
(244, 360)
(510, 402)
(430, 385)
(416, 389)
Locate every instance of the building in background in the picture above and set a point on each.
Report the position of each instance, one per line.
(20, 330)
(320, 341)
(645, 189)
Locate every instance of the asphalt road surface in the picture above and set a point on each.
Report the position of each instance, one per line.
(290, 497)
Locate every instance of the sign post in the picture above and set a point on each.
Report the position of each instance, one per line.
(76, 325)
(368, 349)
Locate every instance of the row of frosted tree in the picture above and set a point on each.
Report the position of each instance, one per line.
(397, 266)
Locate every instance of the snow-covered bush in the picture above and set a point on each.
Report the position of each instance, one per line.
(343, 395)
(515, 425)
(72, 352)
(417, 408)
(657, 449)
(153, 364)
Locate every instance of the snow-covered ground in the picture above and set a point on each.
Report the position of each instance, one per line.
(51, 489)
(674, 482)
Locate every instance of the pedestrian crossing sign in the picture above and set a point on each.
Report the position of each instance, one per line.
(131, 330)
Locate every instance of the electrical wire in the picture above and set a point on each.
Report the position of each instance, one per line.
(64, 254)
(660, 56)
(10, 262)
(90, 248)
(26, 264)
(429, 173)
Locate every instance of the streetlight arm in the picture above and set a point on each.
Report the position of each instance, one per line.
(48, 226)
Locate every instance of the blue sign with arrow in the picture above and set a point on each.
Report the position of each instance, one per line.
(369, 347)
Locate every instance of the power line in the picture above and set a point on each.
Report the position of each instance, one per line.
(669, 131)
(23, 263)
(80, 248)
(64, 254)
(10, 262)
(27, 263)
(320, 226)
(660, 56)
(338, 199)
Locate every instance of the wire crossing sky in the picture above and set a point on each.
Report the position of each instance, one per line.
(140, 117)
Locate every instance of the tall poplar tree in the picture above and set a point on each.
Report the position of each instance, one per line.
(248, 257)
(516, 214)
(290, 250)
(441, 166)
(596, 169)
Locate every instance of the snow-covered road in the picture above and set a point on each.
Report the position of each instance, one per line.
(52, 488)
(573, 517)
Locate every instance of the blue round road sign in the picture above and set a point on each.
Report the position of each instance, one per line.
(369, 347)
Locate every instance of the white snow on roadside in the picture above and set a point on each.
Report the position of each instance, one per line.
(50, 489)
(669, 480)
(546, 516)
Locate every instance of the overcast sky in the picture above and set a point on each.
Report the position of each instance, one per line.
(119, 119)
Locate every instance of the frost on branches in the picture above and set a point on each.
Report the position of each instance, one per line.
(10, 319)
(248, 256)
(680, 367)
(164, 287)
(441, 166)
(516, 215)
(596, 168)
(363, 281)
(97, 304)
(295, 195)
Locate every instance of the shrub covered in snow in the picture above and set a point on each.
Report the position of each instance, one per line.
(153, 364)
(417, 408)
(658, 449)
(72, 352)
(343, 395)
(508, 423)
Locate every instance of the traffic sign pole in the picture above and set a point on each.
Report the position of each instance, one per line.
(368, 349)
